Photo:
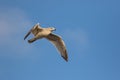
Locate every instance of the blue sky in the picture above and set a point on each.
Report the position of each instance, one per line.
(90, 29)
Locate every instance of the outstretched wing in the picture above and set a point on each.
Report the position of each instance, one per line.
(59, 43)
(35, 29)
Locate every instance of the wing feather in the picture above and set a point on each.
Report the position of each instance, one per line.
(35, 29)
(27, 34)
(59, 43)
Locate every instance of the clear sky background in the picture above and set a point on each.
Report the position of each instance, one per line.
(90, 29)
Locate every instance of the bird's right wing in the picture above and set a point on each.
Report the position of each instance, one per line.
(34, 28)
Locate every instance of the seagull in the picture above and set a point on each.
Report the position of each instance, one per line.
(46, 33)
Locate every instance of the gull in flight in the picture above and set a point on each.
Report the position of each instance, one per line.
(56, 40)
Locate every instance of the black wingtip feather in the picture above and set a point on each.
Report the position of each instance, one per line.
(65, 58)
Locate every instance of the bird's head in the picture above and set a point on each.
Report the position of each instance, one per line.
(52, 29)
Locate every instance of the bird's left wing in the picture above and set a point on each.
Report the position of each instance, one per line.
(59, 43)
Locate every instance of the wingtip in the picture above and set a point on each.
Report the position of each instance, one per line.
(24, 38)
(65, 58)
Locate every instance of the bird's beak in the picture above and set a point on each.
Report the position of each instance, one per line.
(54, 29)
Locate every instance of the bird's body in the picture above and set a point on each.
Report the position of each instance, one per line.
(40, 32)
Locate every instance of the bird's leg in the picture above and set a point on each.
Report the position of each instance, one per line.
(32, 40)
